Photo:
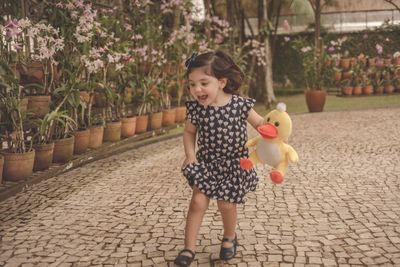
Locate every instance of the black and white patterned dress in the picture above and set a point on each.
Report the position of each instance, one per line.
(222, 135)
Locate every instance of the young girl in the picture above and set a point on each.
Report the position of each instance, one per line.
(219, 117)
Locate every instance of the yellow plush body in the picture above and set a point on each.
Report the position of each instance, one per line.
(270, 146)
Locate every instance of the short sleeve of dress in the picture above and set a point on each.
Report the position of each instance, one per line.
(191, 112)
(248, 104)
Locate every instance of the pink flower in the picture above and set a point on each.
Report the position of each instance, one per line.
(287, 39)
(12, 29)
(379, 49)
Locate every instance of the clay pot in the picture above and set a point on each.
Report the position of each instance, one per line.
(128, 126)
(347, 90)
(142, 123)
(180, 114)
(112, 131)
(96, 136)
(82, 139)
(345, 63)
(315, 100)
(18, 166)
(357, 90)
(168, 117)
(368, 90)
(43, 156)
(39, 105)
(63, 150)
(156, 120)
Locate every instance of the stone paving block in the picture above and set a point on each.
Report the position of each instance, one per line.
(129, 209)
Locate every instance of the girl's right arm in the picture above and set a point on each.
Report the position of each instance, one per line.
(189, 143)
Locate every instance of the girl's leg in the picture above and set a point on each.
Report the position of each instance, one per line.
(198, 207)
(229, 220)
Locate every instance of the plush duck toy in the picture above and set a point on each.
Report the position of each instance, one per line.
(270, 147)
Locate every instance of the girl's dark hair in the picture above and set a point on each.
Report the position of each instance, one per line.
(219, 65)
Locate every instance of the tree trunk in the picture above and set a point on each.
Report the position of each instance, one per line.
(207, 10)
(317, 43)
(270, 96)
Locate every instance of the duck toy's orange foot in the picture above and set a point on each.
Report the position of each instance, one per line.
(276, 177)
(246, 164)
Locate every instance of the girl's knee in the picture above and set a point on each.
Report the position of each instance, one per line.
(199, 201)
(226, 205)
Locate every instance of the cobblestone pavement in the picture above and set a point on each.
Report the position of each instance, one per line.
(339, 206)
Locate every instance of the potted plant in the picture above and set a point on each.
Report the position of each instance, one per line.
(169, 113)
(313, 62)
(65, 125)
(43, 142)
(128, 120)
(346, 87)
(37, 67)
(96, 131)
(367, 88)
(388, 87)
(377, 82)
(112, 130)
(396, 84)
(19, 156)
(357, 70)
(396, 58)
(79, 101)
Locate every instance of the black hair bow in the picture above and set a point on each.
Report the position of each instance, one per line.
(190, 60)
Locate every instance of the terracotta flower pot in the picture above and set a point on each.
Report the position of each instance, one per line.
(63, 150)
(142, 123)
(379, 90)
(180, 114)
(168, 117)
(96, 136)
(128, 126)
(39, 105)
(347, 75)
(357, 90)
(156, 120)
(43, 156)
(338, 76)
(32, 72)
(371, 62)
(112, 131)
(18, 166)
(315, 100)
(368, 90)
(345, 63)
(388, 89)
(347, 90)
(82, 139)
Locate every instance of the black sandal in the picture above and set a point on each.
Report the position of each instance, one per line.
(183, 260)
(228, 253)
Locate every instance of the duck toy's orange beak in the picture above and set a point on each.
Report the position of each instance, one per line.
(268, 131)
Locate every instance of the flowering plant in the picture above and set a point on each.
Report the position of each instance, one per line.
(10, 106)
(34, 42)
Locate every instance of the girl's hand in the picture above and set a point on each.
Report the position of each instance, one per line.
(187, 161)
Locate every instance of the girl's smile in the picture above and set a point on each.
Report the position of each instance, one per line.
(207, 89)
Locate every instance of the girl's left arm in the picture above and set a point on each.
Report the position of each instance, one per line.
(255, 119)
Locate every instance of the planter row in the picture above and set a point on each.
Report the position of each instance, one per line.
(19, 166)
(384, 84)
(368, 90)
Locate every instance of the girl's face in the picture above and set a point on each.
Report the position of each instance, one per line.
(206, 89)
